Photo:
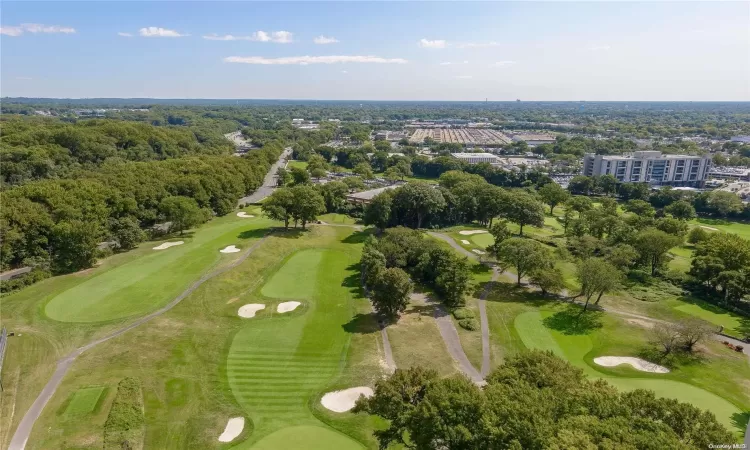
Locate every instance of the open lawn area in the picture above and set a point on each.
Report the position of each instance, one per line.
(200, 364)
(733, 324)
(338, 219)
(298, 164)
(740, 228)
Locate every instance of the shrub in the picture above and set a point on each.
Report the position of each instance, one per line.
(463, 313)
(469, 324)
(125, 420)
(21, 282)
(739, 348)
(676, 277)
(639, 276)
(697, 235)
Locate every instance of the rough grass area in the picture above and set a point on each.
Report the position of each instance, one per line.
(732, 323)
(84, 401)
(124, 426)
(338, 219)
(307, 437)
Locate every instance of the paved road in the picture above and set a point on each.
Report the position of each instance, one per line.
(21, 436)
(269, 183)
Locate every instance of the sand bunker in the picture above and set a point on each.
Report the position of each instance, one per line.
(245, 215)
(709, 228)
(343, 401)
(166, 245)
(249, 310)
(636, 363)
(465, 242)
(233, 429)
(478, 252)
(470, 232)
(287, 306)
(229, 249)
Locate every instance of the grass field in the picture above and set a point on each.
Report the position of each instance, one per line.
(298, 164)
(338, 219)
(739, 228)
(84, 401)
(297, 278)
(733, 324)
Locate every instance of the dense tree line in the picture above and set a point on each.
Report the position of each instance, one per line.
(57, 223)
(399, 253)
(533, 401)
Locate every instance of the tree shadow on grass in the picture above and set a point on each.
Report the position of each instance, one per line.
(255, 233)
(291, 233)
(511, 293)
(573, 321)
(362, 324)
(740, 420)
(353, 281)
(479, 269)
(358, 237)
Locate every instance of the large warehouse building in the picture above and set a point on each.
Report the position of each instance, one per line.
(650, 167)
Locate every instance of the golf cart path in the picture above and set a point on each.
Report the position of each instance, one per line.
(269, 183)
(21, 435)
(485, 369)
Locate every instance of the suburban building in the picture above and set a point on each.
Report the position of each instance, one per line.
(475, 158)
(650, 167)
(729, 173)
(366, 197)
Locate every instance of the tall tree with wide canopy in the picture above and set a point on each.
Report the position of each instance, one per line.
(308, 204)
(524, 255)
(183, 212)
(280, 205)
(553, 194)
(416, 201)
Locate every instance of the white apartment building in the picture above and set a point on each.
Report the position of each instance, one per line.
(475, 158)
(650, 167)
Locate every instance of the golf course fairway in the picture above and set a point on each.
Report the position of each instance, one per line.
(279, 363)
(535, 335)
(146, 283)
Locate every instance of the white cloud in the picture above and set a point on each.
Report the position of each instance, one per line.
(325, 40)
(344, 71)
(449, 63)
(503, 63)
(226, 37)
(124, 34)
(478, 44)
(24, 78)
(279, 37)
(599, 48)
(464, 77)
(35, 28)
(305, 60)
(437, 43)
(159, 32)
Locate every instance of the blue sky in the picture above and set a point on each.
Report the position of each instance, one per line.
(382, 51)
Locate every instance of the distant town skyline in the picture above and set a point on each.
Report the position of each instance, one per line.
(458, 51)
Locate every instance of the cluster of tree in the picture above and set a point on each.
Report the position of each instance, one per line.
(460, 197)
(301, 203)
(533, 401)
(423, 259)
(721, 264)
(57, 224)
(578, 146)
(36, 148)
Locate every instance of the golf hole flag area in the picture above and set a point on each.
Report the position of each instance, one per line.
(84, 401)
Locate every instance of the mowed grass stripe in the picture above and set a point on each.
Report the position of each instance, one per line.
(275, 366)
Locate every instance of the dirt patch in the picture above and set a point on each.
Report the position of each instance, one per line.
(232, 300)
(166, 245)
(248, 311)
(636, 363)
(233, 429)
(344, 400)
(641, 323)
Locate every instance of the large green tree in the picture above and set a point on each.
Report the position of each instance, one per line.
(183, 212)
(597, 277)
(378, 211)
(280, 205)
(553, 194)
(391, 291)
(523, 209)
(308, 204)
(652, 245)
(524, 255)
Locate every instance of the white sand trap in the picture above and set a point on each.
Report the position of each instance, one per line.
(166, 245)
(709, 228)
(465, 242)
(287, 306)
(233, 429)
(637, 363)
(245, 215)
(229, 249)
(249, 310)
(470, 232)
(343, 401)
(478, 252)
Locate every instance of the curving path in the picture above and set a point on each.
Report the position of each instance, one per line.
(21, 435)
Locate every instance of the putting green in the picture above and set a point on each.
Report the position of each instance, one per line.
(277, 365)
(84, 401)
(307, 437)
(483, 240)
(147, 282)
(573, 348)
(297, 277)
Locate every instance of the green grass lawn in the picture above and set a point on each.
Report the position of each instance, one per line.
(142, 285)
(307, 437)
(297, 278)
(733, 324)
(576, 349)
(84, 401)
(681, 258)
(298, 164)
(739, 228)
(338, 219)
